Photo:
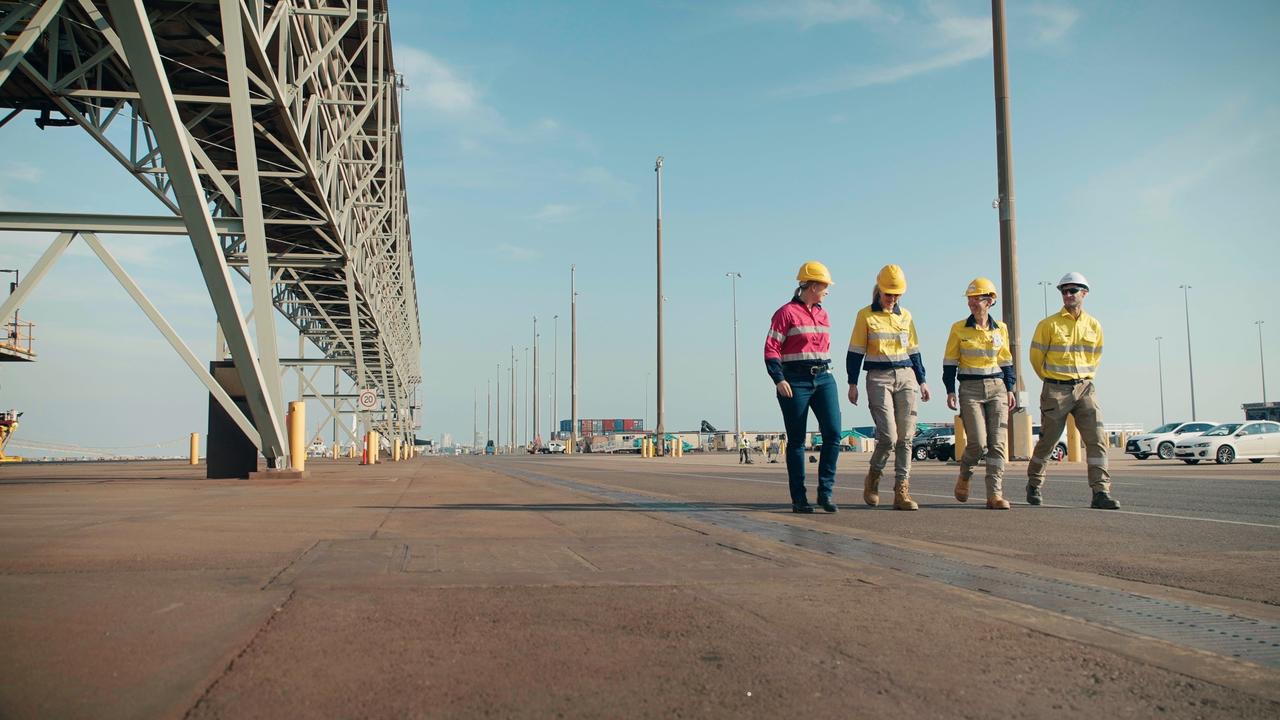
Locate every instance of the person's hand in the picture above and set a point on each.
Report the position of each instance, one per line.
(853, 394)
(784, 389)
(952, 402)
(924, 392)
(1013, 399)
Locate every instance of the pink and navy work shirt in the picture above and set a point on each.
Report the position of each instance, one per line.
(799, 338)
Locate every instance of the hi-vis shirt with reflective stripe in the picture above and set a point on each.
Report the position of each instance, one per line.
(1066, 348)
(977, 352)
(797, 334)
(884, 337)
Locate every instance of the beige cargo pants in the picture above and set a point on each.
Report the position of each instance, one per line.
(984, 410)
(891, 396)
(1079, 401)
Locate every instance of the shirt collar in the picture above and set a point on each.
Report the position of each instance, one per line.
(991, 322)
(800, 302)
(875, 305)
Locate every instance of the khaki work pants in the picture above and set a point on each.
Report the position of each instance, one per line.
(1079, 401)
(891, 395)
(984, 410)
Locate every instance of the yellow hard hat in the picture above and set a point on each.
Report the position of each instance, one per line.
(814, 271)
(981, 286)
(892, 280)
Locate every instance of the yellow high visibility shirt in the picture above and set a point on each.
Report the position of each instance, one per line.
(1067, 348)
(885, 339)
(978, 351)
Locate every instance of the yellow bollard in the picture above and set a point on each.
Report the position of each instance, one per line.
(961, 439)
(351, 452)
(195, 448)
(297, 420)
(1073, 440)
(335, 451)
(395, 450)
(377, 446)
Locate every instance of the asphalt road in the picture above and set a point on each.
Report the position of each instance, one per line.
(1211, 529)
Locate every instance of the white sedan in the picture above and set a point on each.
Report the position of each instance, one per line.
(1160, 442)
(1254, 441)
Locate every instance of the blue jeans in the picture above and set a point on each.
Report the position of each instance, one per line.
(817, 392)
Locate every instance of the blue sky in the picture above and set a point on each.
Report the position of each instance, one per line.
(1146, 145)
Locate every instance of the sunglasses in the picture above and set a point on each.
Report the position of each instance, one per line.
(1070, 290)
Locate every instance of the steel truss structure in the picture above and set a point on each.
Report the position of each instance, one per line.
(271, 129)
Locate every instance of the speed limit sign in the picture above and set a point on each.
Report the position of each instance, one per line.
(368, 399)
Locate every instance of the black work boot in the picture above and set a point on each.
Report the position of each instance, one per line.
(1103, 501)
(1033, 496)
(827, 505)
(803, 507)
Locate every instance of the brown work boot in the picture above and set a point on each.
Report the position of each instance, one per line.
(902, 498)
(995, 502)
(962, 489)
(871, 488)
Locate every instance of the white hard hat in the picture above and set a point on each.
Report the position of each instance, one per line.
(1074, 278)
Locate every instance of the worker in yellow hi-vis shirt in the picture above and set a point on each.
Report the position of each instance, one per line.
(1065, 352)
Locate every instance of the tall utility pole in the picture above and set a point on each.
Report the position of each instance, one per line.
(488, 404)
(657, 169)
(511, 408)
(1008, 233)
(497, 406)
(555, 372)
(537, 439)
(1186, 305)
(737, 404)
(475, 416)
(1262, 362)
(1160, 365)
(524, 439)
(573, 360)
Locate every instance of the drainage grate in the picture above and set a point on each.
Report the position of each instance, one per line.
(1175, 622)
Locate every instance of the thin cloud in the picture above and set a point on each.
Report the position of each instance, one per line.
(606, 183)
(959, 40)
(514, 253)
(554, 212)
(433, 84)
(1053, 21)
(811, 13)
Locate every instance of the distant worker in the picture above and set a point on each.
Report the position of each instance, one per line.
(744, 450)
(884, 339)
(797, 354)
(774, 450)
(978, 354)
(1065, 352)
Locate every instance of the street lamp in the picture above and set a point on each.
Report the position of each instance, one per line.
(737, 404)
(1262, 362)
(657, 169)
(555, 374)
(573, 360)
(1186, 305)
(1044, 294)
(1160, 365)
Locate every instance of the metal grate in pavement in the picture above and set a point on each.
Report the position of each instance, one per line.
(1180, 623)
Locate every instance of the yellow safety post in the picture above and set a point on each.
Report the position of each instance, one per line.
(195, 448)
(395, 450)
(351, 452)
(1073, 440)
(297, 422)
(377, 446)
(961, 440)
(335, 451)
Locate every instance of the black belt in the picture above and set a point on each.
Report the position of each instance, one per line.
(962, 378)
(813, 370)
(1077, 381)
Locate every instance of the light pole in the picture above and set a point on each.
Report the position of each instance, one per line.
(525, 437)
(737, 404)
(511, 407)
(657, 169)
(1191, 373)
(497, 406)
(537, 439)
(488, 404)
(1160, 365)
(555, 373)
(573, 360)
(646, 401)
(1262, 362)
(1044, 294)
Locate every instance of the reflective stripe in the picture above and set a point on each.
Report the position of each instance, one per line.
(1096, 462)
(887, 358)
(1071, 369)
(792, 357)
(884, 335)
(913, 349)
(860, 349)
(776, 335)
(979, 352)
(808, 330)
(1071, 348)
(1038, 346)
(1006, 365)
(950, 363)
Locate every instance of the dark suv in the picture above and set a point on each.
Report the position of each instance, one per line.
(922, 443)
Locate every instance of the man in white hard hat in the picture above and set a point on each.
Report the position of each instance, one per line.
(1065, 352)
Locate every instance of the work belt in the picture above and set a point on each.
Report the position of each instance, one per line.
(979, 378)
(1076, 381)
(814, 370)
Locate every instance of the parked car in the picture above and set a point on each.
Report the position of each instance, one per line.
(1254, 441)
(942, 444)
(488, 448)
(920, 443)
(1161, 441)
(1059, 451)
(555, 446)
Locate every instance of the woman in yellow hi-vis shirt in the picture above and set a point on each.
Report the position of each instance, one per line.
(978, 354)
(884, 338)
